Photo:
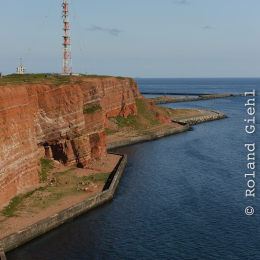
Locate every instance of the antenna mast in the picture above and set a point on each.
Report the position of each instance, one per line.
(21, 58)
(67, 59)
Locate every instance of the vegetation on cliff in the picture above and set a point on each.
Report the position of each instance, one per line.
(147, 117)
(91, 109)
(17, 79)
(46, 167)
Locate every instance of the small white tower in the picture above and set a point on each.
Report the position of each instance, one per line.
(21, 69)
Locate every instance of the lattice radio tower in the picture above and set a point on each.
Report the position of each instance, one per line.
(67, 59)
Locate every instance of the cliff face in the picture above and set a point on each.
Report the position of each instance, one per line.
(117, 97)
(18, 147)
(66, 122)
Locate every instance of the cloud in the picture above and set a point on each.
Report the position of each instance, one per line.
(114, 32)
(207, 27)
(181, 2)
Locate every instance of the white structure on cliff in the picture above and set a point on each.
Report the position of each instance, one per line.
(21, 69)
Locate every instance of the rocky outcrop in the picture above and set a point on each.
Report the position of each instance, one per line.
(63, 121)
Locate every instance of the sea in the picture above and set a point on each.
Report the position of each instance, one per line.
(181, 197)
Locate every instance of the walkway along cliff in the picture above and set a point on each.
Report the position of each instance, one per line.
(63, 120)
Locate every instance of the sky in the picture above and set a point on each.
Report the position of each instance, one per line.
(134, 38)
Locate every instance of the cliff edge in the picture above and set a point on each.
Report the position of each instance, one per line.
(63, 119)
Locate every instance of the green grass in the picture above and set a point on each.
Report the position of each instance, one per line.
(131, 82)
(17, 202)
(10, 210)
(79, 81)
(46, 167)
(52, 192)
(44, 202)
(110, 132)
(146, 117)
(130, 121)
(91, 109)
(76, 136)
(59, 174)
(167, 111)
(96, 76)
(18, 79)
(97, 177)
(39, 78)
(146, 111)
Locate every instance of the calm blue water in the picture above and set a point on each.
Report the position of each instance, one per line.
(197, 85)
(181, 197)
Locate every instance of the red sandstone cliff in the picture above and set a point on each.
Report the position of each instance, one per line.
(65, 122)
(18, 147)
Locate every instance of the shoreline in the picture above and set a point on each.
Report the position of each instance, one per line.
(206, 115)
(18, 238)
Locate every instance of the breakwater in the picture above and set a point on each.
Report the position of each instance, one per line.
(163, 100)
(205, 116)
(18, 238)
(173, 94)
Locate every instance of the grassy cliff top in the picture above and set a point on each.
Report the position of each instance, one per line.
(17, 79)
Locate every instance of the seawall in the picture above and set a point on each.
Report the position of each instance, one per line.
(207, 115)
(18, 238)
(201, 97)
(149, 137)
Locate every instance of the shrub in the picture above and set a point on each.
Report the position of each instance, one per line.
(91, 109)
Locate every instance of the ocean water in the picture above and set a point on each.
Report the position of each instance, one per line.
(197, 85)
(180, 197)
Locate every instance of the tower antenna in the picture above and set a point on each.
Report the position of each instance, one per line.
(21, 58)
(67, 59)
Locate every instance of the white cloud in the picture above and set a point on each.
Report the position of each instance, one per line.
(114, 32)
